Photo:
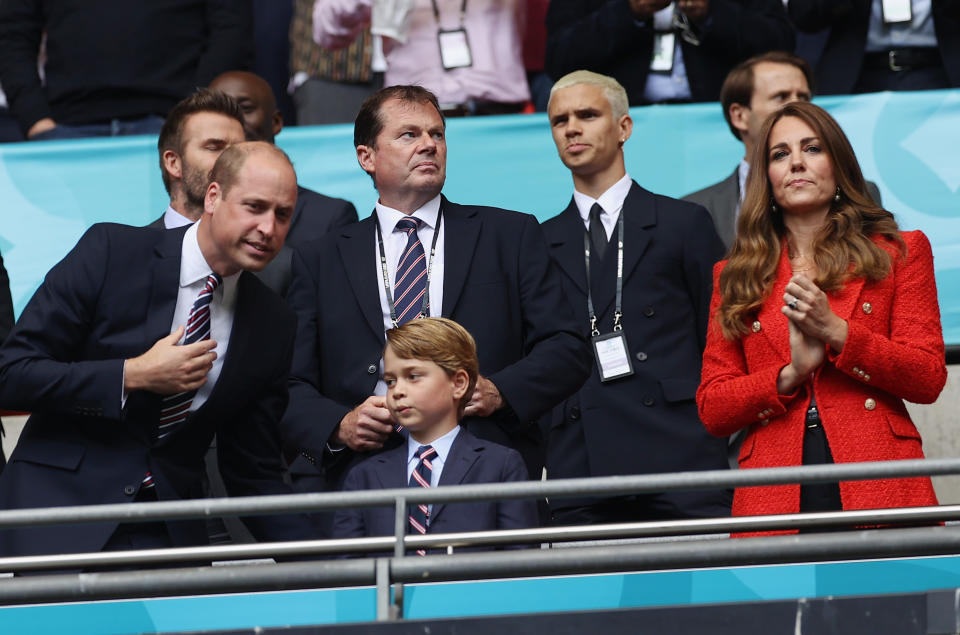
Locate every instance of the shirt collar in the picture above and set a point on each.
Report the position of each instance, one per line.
(611, 201)
(193, 266)
(173, 219)
(388, 217)
(743, 170)
(441, 445)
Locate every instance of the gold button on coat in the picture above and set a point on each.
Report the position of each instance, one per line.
(867, 308)
(869, 404)
(756, 326)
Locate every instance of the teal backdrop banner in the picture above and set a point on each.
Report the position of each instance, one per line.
(51, 192)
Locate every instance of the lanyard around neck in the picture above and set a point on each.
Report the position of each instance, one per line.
(463, 11)
(425, 309)
(617, 326)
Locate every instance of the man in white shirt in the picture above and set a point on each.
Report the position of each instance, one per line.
(138, 347)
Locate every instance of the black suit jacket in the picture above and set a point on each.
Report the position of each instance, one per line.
(470, 460)
(499, 283)
(848, 20)
(604, 36)
(111, 298)
(6, 303)
(646, 422)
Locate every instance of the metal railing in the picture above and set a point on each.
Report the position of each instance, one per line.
(386, 572)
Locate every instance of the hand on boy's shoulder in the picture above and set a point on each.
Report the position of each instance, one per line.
(485, 401)
(366, 427)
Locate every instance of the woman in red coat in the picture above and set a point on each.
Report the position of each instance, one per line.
(823, 320)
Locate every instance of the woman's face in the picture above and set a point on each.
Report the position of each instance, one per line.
(800, 170)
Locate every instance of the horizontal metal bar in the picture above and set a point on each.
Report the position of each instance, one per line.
(853, 545)
(305, 548)
(597, 486)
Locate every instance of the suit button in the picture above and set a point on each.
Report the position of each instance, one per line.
(869, 404)
(648, 401)
(372, 369)
(129, 490)
(642, 356)
(574, 413)
(867, 308)
(756, 327)
(649, 311)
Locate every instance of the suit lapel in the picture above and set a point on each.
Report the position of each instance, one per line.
(356, 244)
(461, 227)
(640, 217)
(567, 248)
(248, 327)
(464, 452)
(165, 284)
(391, 467)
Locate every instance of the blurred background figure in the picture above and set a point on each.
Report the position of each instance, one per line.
(877, 45)
(824, 319)
(114, 67)
(662, 51)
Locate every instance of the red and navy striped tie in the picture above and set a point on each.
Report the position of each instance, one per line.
(420, 514)
(411, 279)
(174, 408)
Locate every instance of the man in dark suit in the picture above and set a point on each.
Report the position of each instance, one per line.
(663, 51)
(6, 323)
(487, 268)
(636, 413)
(751, 92)
(121, 412)
(315, 214)
(917, 48)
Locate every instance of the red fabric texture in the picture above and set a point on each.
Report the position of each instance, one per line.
(894, 338)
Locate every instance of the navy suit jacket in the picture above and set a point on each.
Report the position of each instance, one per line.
(470, 461)
(647, 422)
(499, 283)
(605, 36)
(111, 298)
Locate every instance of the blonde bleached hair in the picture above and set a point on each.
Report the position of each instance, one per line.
(612, 90)
(846, 247)
(441, 341)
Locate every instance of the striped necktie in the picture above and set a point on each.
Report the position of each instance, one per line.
(174, 408)
(411, 279)
(420, 477)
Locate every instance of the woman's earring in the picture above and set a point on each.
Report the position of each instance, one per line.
(773, 207)
(836, 197)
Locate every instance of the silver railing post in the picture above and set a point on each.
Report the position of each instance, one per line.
(399, 532)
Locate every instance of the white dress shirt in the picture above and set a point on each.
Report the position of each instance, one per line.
(173, 219)
(193, 275)
(394, 242)
(442, 445)
(611, 201)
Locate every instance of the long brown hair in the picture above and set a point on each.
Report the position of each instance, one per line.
(843, 249)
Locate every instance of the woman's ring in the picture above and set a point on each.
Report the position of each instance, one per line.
(792, 304)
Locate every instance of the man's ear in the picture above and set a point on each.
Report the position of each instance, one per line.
(740, 117)
(212, 198)
(173, 164)
(277, 122)
(626, 128)
(461, 381)
(365, 156)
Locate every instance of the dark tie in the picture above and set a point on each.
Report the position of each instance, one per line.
(598, 235)
(420, 477)
(411, 279)
(174, 408)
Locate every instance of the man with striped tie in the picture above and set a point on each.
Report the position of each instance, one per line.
(138, 347)
(420, 254)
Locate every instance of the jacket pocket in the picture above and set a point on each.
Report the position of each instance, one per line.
(679, 388)
(60, 454)
(902, 427)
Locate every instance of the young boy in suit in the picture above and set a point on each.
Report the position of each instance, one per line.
(430, 367)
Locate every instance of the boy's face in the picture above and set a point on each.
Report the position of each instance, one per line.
(420, 394)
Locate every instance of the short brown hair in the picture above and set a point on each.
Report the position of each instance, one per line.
(233, 158)
(204, 100)
(369, 122)
(441, 341)
(738, 86)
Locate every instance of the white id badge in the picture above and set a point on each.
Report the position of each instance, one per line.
(663, 44)
(613, 357)
(454, 49)
(896, 11)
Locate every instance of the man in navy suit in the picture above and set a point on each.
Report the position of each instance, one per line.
(121, 412)
(636, 414)
(430, 367)
(486, 268)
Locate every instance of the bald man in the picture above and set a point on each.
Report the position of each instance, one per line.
(315, 214)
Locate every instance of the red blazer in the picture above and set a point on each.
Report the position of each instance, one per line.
(894, 351)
